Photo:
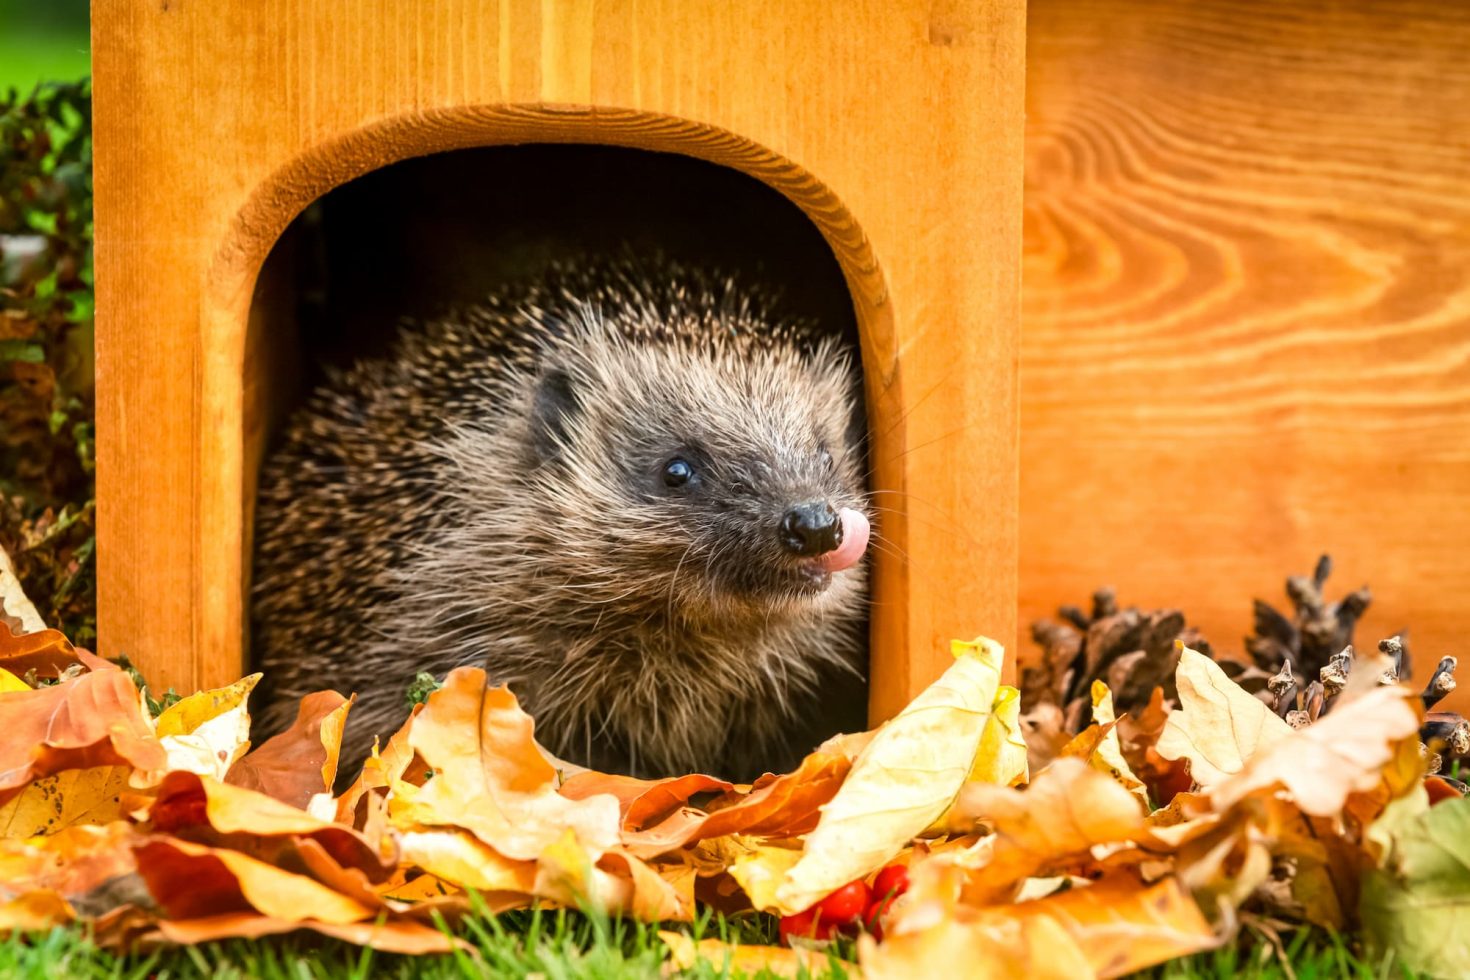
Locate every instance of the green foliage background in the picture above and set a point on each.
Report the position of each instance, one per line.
(47, 513)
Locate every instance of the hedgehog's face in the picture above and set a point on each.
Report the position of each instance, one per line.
(723, 483)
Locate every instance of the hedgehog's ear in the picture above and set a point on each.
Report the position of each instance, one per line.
(553, 405)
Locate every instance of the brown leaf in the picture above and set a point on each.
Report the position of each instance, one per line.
(300, 762)
(47, 652)
(1034, 947)
(95, 719)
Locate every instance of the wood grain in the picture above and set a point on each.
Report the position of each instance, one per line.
(1247, 308)
(896, 126)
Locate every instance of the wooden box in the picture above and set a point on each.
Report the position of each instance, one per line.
(895, 126)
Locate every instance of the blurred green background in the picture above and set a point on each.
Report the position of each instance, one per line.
(43, 41)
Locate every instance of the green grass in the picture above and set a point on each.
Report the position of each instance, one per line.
(559, 945)
(555, 945)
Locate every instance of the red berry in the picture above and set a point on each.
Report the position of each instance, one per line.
(845, 904)
(804, 925)
(891, 881)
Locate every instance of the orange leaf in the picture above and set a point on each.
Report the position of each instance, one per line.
(491, 777)
(72, 862)
(191, 880)
(1054, 822)
(775, 806)
(95, 719)
(642, 801)
(1034, 947)
(393, 936)
(34, 911)
(301, 761)
(247, 819)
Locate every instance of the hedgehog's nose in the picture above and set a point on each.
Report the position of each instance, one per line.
(811, 529)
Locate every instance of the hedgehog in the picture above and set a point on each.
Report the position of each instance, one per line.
(632, 491)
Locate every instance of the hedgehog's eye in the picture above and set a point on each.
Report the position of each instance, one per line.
(677, 473)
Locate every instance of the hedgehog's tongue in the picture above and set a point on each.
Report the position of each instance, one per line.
(855, 530)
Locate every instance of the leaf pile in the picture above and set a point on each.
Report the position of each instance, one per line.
(1149, 836)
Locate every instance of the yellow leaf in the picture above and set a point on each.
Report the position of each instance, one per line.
(1218, 726)
(76, 796)
(903, 780)
(206, 733)
(732, 959)
(9, 682)
(1002, 756)
(186, 715)
(458, 856)
(34, 911)
(1108, 929)
(1104, 752)
(761, 869)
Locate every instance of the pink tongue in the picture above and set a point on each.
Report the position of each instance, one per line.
(855, 530)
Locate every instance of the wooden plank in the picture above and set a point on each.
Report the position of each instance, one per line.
(896, 126)
(1247, 308)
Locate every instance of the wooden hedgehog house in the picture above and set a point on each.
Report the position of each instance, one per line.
(892, 129)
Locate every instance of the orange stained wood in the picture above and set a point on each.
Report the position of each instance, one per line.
(895, 124)
(1247, 309)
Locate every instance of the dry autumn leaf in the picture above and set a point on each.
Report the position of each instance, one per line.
(1218, 725)
(1319, 766)
(300, 762)
(902, 781)
(1053, 824)
(94, 719)
(737, 959)
(491, 778)
(206, 732)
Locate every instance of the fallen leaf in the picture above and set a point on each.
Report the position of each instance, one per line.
(392, 936)
(47, 652)
(1110, 928)
(458, 856)
(642, 801)
(1035, 947)
(1416, 905)
(35, 911)
(94, 719)
(905, 778)
(9, 682)
(193, 805)
(733, 959)
(1001, 758)
(300, 762)
(1218, 726)
(76, 796)
(1344, 752)
(191, 880)
(490, 777)
(206, 732)
(1052, 825)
